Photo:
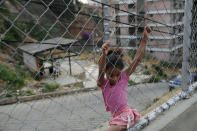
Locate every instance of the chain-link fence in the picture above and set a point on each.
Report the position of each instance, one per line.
(50, 51)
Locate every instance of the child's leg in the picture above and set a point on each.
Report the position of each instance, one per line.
(116, 128)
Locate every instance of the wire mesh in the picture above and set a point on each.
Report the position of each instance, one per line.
(193, 39)
(50, 51)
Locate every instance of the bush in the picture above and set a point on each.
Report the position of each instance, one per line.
(147, 72)
(132, 53)
(154, 78)
(11, 93)
(22, 72)
(131, 82)
(50, 87)
(12, 35)
(158, 69)
(13, 79)
(146, 67)
(165, 64)
(171, 65)
(29, 93)
(154, 65)
(39, 32)
(4, 10)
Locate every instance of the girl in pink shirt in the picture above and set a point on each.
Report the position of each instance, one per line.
(114, 86)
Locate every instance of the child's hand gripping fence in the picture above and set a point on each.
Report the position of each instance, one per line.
(39, 37)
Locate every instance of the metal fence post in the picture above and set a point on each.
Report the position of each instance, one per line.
(186, 47)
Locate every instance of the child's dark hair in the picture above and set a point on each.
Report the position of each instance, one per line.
(114, 59)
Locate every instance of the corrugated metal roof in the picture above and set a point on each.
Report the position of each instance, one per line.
(36, 48)
(59, 41)
(46, 45)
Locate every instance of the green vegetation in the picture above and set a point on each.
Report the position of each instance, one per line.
(154, 78)
(13, 34)
(155, 99)
(25, 93)
(148, 105)
(14, 80)
(12, 93)
(22, 72)
(50, 87)
(72, 5)
(38, 31)
(131, 82)
(165, 64)
(158, 69)
(147, 72)
(146, 67)
(170, 65)
(132, 53)
(3, 9)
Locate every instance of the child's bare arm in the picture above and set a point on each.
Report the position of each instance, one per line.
(139, 53)
(102, 63)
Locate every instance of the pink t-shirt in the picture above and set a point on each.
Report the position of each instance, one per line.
(115, 97)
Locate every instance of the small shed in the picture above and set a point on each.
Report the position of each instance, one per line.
(35, 54)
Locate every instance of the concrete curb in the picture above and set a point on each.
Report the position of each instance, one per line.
(159, 110)
(19, 99)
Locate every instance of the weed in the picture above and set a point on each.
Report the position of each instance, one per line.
(154, 78)
(155, 99)
(132, 53)
(147, 106)
(25, 93)
(146, 67)
(131, 82)
(50, 87)
(14, 80)
(158, 69)
(147, 72)
(22, 72)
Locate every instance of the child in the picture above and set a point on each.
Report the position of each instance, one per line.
(115, 85)
(57, 69)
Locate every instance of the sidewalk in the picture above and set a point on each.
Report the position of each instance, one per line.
(182, 117)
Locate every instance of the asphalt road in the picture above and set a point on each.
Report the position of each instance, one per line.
(77, 112)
